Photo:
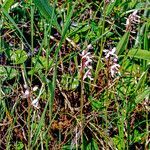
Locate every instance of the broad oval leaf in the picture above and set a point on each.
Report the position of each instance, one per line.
(18, 56)
(19, 146)
(7, 73)
(40, 64)
(68, 82)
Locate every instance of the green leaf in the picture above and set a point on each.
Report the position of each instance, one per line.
(18, 56)
(110, 8)
(142, 95)
(39, 64)
(19, 146)
(84, 29)
(7, 73)
(122, 45)
(48, 12)
(69, 82)
(76, 38)
(140, 98)
(92, 145)
(139, 53)
(138, 136)
(74, 84)
(7, 4)
(7, 90)
(15, 25)
(67, 22)
(117, 142)
(141, 81)
(96, 104)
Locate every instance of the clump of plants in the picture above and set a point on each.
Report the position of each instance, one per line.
(74, 74)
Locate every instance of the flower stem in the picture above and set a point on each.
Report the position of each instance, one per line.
(81, 109)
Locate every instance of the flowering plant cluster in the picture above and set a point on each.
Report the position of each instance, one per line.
(132, 20)
(112, 60)
(86, 64)
(28, 94)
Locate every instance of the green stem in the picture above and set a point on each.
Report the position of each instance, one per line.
(32, 33)
(99, 64)
(81, 110)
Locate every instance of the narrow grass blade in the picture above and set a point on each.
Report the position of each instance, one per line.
(140, 54)
(140, 97)
(15, 25)
(122, 45)
(110, 8)
(141, 81)
(146, 35)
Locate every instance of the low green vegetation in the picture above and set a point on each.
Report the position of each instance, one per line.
(74, 74)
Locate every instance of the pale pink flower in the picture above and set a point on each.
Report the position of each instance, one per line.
(86, 63)
(88, 75)
(114, 69)
(35, 88)
(35, 103)
(132, 20)
(112, 58)
(26, 94)
(110, 53)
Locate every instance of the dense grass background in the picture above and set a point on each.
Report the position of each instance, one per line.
(47, 101)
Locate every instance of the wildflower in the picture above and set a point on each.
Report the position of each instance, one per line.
(132, 20)
(89, 46)
(25, 86)
(86, 61)
(110, 53)
(114, 69)
(35, 103)
(88, 75)
(35, 88)
(112, 58)
(29, 93)
(26, 94)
